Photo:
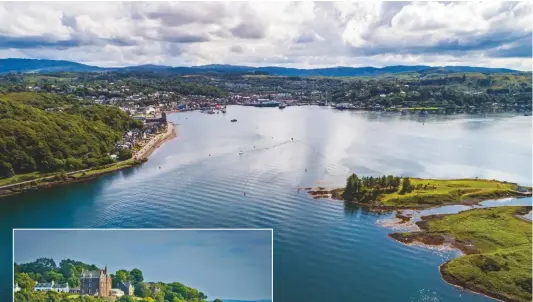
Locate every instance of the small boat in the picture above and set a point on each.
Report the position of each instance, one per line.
(233, 120)
(240, 152)
(282, 105)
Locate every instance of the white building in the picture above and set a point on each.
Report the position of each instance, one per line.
(60, 288)
(16, 288)
(116, 292)
(39, 287)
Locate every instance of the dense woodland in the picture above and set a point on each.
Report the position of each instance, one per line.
(48, 133)
(68, 271)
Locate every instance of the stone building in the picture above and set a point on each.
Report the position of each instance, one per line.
(126, 287)
(95, 283)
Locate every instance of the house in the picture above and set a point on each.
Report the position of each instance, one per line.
(116, 292)
(16, 288)
(126, 287)
(95, 283)
(61, 288)
(39, 287)
(75, 290)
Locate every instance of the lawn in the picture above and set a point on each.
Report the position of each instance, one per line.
(22, 177)
(503, 265)
(113, 167)
(438, 191)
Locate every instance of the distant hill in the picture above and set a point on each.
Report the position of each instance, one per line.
(44, 66)
(35, 65)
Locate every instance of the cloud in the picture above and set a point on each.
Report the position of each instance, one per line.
(249, 30)
(236, 48)
(296, 34)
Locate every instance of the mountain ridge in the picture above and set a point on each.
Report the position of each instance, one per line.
(47, 66)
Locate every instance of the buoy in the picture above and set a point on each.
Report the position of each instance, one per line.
(244, 193)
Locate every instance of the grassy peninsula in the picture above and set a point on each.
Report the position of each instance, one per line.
(497, 246)
(391, 191)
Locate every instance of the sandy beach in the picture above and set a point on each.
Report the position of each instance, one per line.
(156, 142)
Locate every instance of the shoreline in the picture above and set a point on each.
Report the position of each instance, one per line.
(156, 142)
(426, 239)
(320, 192)
(57, 180)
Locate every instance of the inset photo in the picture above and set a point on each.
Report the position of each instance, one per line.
(143, 265)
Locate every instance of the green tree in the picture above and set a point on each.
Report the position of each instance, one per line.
(142, 290)
(217, 300)
(120, 276)
(52, 296)
(24, 281)
(68, 270)
(6, 170)
(348, 190)
(136, 276)
(54, 276)
(124, 154)
(73, 281)
(406, 185)
(126, 299)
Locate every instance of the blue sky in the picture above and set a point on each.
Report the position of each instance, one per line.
(222, 264)
(292, 34)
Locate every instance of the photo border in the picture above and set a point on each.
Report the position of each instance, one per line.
(144, 229)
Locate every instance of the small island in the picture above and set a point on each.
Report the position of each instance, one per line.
(497, 247)
(393, 192)
(496, 241)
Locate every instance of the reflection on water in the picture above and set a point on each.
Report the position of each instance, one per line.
(325, 250)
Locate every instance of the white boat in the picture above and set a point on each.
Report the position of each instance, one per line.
(240, 152)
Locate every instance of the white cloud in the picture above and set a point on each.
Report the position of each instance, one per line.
(297, 34)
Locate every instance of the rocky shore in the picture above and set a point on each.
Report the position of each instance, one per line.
(437, 230)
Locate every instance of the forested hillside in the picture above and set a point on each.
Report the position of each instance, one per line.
(47, 133)
(45, 270)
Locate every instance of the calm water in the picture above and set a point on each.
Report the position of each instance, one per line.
(324, 250)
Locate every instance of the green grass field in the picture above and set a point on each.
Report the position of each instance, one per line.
(503, 265)
(437, 192)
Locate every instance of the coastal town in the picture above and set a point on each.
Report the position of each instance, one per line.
(430, 92)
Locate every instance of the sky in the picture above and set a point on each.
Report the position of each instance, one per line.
(290, 34)
(221, 264)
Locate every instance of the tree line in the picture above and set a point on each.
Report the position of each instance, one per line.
(45, 270)
(368, 188)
